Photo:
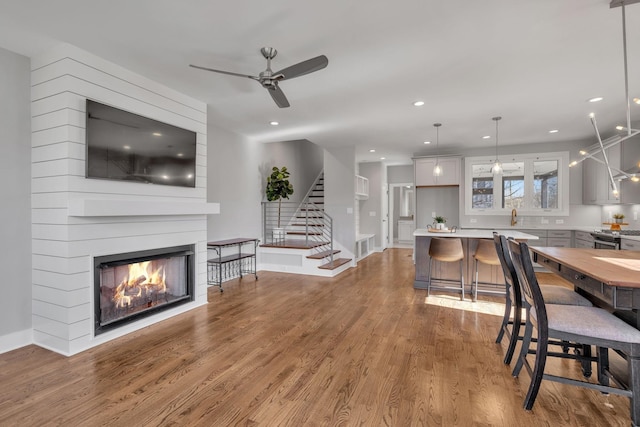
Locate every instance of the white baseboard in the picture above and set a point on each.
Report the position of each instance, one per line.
(16, 340)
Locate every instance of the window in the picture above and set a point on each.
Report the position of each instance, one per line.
(532, 184)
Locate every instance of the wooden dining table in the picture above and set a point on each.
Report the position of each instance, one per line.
(609, 278)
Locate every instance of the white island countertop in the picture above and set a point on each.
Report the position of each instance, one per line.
(475, 234)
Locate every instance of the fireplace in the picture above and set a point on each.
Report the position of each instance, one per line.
(129, 286)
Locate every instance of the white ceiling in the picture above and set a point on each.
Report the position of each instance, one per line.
(534, 62)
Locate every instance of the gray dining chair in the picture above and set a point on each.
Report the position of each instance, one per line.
(552, 294)
(587, 325)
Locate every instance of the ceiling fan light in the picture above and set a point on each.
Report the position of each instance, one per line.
(636, 100)
(634, 178)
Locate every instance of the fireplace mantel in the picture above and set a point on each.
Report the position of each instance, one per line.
(109, 207)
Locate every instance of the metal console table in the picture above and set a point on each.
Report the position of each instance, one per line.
(225, 265)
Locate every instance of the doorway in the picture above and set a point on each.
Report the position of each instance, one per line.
(401, 214)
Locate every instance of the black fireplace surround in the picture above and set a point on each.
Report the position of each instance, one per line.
(133, 285)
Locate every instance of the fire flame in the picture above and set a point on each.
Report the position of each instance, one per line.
(141, 281)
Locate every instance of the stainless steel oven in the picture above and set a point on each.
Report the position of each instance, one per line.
(606, 239)
(603, 244)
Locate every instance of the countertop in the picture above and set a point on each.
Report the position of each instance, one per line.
(475, 234)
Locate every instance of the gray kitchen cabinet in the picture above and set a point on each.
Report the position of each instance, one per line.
(629, 244)
(423, 168)
(583, 239)
(596, 185)
(629, 190)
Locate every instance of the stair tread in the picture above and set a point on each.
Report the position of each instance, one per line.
(336, 263)
(302, 233)
(302, 224)
(323, 254)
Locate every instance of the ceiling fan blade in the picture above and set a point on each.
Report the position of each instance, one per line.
(304, 67)
(224, 72)
(278, 96)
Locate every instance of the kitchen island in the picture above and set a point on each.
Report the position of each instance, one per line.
(490, 278)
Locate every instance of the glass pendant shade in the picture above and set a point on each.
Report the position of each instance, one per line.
(437, 169)
(497, 166)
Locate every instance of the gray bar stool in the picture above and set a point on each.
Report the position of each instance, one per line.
(486, 254)
(446, 249)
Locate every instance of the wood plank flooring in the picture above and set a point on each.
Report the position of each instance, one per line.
(361, 349)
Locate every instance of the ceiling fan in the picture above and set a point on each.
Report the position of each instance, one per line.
(269, 80)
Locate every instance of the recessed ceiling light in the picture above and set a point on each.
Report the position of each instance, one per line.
(127, 147)
(553, 131)
(372, 151)
(486, 137)
(596, 99)
(619, 127)
(418, 103)
(157, 134)
(427, 142)
(636, 100)
(180, 154)
(382, 158)
(274, 123)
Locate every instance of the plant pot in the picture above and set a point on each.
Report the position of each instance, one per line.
(439, 226)
(618, 220)
(277, 234)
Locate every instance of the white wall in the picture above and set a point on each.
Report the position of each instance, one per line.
(235, 181)
(339, 202)
(15, 209)
(64, 243)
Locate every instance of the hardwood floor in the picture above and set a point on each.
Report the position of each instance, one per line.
(362, 349)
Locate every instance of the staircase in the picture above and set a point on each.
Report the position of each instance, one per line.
(308, 234)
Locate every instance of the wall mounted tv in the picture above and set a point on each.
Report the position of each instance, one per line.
(128, 147)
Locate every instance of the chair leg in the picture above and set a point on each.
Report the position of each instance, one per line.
(586, 364)
(475, 285)
(515, 332)
(538, 370)
(505, 319)
(603, 365)
(461, 281)
(633, 362)
(526, 341)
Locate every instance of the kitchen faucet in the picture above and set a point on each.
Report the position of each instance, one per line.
(514, 215)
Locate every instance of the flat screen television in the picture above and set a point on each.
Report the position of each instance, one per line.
(127, 147)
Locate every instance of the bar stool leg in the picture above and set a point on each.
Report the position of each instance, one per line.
(475, 285)
(429, 276)
(461, 281)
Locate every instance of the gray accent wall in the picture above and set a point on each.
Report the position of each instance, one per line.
(15, 209)
(304, 161)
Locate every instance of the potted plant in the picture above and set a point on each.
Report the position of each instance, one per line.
(618, 217)
(439, 222)
(278, 188)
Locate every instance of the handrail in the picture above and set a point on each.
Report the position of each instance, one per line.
(307, 220)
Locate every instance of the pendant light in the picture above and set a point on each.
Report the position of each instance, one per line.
(437, 170)
(602, 145)
(497, 166)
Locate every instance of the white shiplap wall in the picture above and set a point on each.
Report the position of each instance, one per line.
(64, 245)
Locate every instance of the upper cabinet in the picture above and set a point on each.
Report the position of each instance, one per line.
(630, 190)
(596, 184)
(424, 171)
(532, 184)
(362, 188)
